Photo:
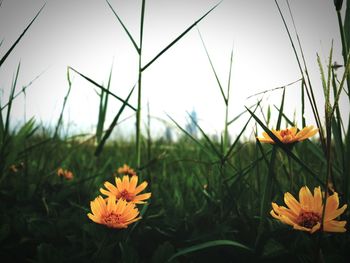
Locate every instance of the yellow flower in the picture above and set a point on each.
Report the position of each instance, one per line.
(65, 173)
(126, 170)
(289, 135)
(306, 215)
(126, 189)
(113, 214)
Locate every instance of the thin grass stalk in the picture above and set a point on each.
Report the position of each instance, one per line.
(338, 139)
(308, 87)
(59, 122)
(103, 109)
(226, 135)
(11, 98)
(3, 59)
(149, 138)
(303, 121)
(308, 92)
(268, 187)
(138, 112)
(345, 49)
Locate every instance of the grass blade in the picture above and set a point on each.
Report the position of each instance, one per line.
(113, 124)
(213, 69)
(125, 29)
(178, 38)
(207, 245)
(64, 105)
(102, 88)
(20, 37)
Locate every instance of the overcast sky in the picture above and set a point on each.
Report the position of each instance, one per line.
(85, 35)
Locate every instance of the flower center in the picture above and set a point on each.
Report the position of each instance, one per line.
(126, 195)
(285, 133)
(308, 219)
(112, 219)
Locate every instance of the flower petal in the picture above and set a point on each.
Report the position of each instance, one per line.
(334, 214)
(133, 183)
(335, 226)
(306, 199)
(140, 188)
(292, 203)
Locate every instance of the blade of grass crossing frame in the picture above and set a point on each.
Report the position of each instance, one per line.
(139, 101)
(309, 90)
(213, 69)
(268, 187)
(226, 135)
(113, 124)
(303, 121)
(207, 245)
(103, 109)
(102, 88)
(179, 37)
(13, 88)
(64, 105)
(20, 37)
(125, 29)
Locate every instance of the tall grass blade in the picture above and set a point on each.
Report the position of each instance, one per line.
(3, 59)
(103, 109)
(308, 87)
(11, 98)
(268, 187)
(102, 88)
(207, 245)
(113, 124)
(213, 69)
(139, 93)
(125, 29)
(64, 105)
(179, 37)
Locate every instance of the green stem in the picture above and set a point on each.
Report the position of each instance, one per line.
(138, 112)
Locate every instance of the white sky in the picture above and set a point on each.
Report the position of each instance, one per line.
(85, 35)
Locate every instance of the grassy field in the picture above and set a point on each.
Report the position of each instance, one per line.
(212, 199)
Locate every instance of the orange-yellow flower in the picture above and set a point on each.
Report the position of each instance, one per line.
(126, 170)
(65, 173)
(126, 189)
(306, 215)
(113, 214)
(289, 135)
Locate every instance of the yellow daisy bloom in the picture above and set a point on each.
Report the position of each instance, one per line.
(65, 173)
(306, 215)
(289, 135)
(126, 170)
(126, 189)
(113, 214)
